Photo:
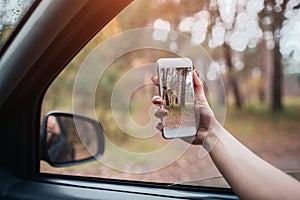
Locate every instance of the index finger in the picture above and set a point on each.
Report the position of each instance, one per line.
(155, 80)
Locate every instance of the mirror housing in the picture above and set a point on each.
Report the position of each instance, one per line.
(68, 139)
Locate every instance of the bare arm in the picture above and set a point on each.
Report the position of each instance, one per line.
(248, 175)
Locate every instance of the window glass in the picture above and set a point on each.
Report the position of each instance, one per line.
(247, 53)
(11, 13)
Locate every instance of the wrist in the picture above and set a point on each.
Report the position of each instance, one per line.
(212, 137)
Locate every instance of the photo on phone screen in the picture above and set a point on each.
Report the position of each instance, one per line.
(177, 91)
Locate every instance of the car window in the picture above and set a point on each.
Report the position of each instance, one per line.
(247, 54)
(11, 14)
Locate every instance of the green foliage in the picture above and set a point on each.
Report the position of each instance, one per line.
(257, 119)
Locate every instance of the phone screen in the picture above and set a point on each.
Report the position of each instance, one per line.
(177, 91)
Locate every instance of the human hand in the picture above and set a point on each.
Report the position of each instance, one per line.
(204, 116)
(52, 125)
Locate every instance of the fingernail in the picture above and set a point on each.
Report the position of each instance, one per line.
(157, 101)
(152, 78)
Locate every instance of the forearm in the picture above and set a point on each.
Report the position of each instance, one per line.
(248, 175)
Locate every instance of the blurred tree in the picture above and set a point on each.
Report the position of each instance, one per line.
(232, 77)
(273, 16)
(268, 48)
(277, 76)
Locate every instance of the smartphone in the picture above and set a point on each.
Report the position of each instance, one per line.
(177, 91)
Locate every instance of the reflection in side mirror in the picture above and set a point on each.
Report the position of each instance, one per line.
(68, 139)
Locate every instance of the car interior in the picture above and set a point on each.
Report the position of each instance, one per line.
(76, 117)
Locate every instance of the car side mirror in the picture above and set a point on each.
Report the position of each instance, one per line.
(68, 139)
